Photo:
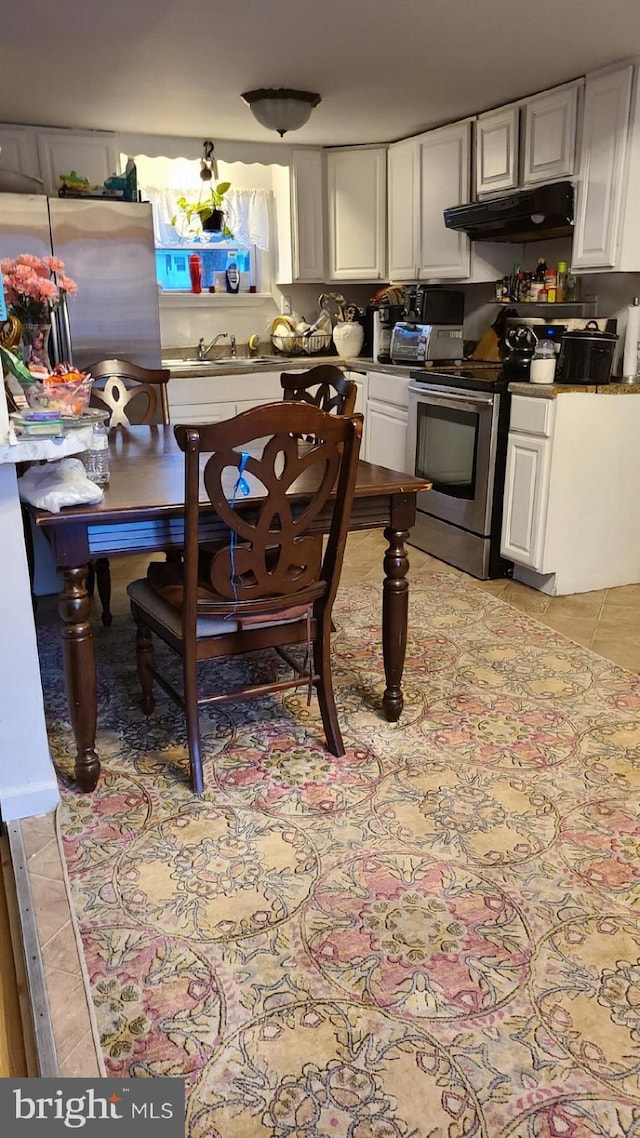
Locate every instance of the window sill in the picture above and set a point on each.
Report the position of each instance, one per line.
(178, 299)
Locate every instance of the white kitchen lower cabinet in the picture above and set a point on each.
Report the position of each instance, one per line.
(526, 499)
(572, 476)
(212, 398)
(387, 427)
(387, 418)
(361, 379)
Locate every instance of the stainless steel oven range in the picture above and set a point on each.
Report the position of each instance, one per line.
(457, 437)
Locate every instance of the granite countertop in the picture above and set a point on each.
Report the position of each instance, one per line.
(552, 390)
(225, 365)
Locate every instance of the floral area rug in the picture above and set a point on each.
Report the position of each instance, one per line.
(437, 935)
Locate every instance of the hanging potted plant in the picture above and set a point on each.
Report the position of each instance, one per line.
(209, 211)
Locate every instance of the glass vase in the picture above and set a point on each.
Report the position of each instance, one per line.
(35, 344)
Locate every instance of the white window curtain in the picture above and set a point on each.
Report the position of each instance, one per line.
(164, 180)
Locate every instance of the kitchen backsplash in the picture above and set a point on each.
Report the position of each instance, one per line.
(185, 318)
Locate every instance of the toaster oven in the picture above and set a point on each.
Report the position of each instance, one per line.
(420, 344)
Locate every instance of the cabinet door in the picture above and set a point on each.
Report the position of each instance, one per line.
(387, 431)
(307, 215)
(600, 186)
(200, 412)
(550, 135)
(361, 380)
(404, 205)
(526, 499)
(497, 150)
(356, 184)
(92, 154)
(444, 181)
(18, 152)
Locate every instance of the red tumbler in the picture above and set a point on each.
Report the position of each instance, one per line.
(195, 272)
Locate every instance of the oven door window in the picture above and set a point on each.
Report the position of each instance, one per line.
(447, 449)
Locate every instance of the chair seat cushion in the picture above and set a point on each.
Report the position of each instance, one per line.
(149, 600)
(166, 577)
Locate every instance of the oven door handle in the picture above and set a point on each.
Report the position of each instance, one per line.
(454, 402)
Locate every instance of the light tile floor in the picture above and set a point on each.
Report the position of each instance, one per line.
(607, 621)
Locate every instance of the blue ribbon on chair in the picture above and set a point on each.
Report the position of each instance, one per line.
(241, 486)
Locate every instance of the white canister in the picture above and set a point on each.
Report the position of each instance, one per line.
(543, 364)
(348, 338)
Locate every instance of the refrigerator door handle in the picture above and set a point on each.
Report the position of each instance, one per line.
(65, 333)
(55, 338)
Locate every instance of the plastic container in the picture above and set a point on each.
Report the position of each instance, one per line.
(96, 460)
(65, 398)
(543, 364)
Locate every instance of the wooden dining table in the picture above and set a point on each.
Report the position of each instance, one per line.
(143, 512)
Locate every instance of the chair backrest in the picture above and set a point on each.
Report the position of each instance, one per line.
(274, 555)
(324, 386)
(133, 394)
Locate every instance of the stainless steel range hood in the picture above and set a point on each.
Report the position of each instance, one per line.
(535, 214)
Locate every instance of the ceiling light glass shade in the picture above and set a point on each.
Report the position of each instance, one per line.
(280, 108)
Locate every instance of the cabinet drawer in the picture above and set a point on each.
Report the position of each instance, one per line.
(533, 416)
(389, 388)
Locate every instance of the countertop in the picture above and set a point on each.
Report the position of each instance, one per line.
(226, 366)
(552, 390)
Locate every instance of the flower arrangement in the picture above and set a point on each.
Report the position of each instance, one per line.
(32, 291)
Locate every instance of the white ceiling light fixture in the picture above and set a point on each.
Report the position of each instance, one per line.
(280, 108)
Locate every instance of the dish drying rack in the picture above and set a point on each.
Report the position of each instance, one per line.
(301, 345)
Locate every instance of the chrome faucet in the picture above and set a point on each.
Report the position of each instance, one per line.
(203, 350)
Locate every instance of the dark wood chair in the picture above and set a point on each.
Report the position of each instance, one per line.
(324, 386)
(131, 394)
(268, 584)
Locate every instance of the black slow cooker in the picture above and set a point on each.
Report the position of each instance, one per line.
(586, 356)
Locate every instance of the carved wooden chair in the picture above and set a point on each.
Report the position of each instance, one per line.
(131, 394)
(324, 386)
(268, 584)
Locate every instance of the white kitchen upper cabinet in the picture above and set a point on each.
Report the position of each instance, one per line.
(549, 135)
(356, 191)
(403, 187)
(307, 214)
(444, 181)
(93, 154)
(497, 150)
(19, 152)
(299, 201)
(601, 185)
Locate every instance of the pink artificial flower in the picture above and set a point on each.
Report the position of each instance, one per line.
(48, 290)
(29, 259)
(67, 285)
(30, 288)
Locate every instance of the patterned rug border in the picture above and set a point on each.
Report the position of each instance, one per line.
(77, 936)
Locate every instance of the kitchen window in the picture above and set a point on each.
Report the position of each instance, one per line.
(162, 181)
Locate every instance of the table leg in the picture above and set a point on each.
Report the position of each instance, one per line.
(395, 609)
(80, 673)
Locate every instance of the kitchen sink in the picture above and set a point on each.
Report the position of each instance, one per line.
(183, 364)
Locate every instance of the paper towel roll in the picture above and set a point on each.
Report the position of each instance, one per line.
(632, 336)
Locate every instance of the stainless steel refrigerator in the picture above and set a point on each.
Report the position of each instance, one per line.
(108, 250)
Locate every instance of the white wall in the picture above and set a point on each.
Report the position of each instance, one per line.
(27, 779)
(185, 318)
